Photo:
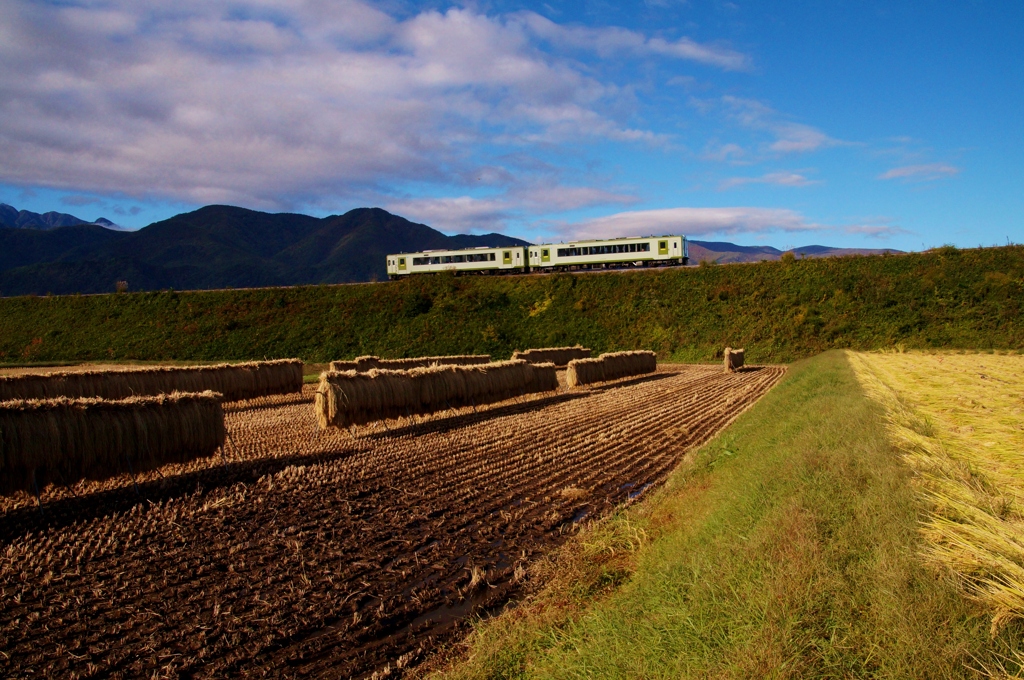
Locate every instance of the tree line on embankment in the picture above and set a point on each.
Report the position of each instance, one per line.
(779, 311)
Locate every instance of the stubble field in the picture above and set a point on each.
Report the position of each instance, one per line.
(308, 553)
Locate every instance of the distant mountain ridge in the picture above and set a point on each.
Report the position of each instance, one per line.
(221, 246)
(13, 218)
(728, 253)
(217, 247)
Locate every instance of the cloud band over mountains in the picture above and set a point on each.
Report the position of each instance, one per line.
(279, 104)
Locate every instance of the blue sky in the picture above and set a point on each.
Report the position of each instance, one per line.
(859, 124)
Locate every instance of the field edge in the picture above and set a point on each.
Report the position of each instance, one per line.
(787, 545)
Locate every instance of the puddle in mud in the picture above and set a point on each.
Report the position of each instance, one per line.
(449, 613)
(634, 494)
(581, 515)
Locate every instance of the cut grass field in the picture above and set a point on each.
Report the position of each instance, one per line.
(959, 421)
(788, 546)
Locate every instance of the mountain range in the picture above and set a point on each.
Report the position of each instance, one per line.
(26, 219)
(727, 253)
(222, 246)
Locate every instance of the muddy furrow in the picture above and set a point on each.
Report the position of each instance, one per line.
(356, 552)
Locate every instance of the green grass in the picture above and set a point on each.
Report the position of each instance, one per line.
(779, 311)
(786, 547)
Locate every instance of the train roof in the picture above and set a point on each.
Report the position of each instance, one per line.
(560, 243)
(610, 240)
(455, 250)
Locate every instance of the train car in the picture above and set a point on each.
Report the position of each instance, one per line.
(609, 253)
(471, 261)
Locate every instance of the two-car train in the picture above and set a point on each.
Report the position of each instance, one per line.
(546, 257)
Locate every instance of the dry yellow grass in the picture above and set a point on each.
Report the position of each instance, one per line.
(959, 418)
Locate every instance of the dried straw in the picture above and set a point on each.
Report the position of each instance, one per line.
(733, 359)
(610, 366)
(366, 363)
(234, 381)
(356, 398)
(65, 440)
(559, 356)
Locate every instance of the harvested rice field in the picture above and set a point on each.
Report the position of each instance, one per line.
(339, 553)
(959, 421)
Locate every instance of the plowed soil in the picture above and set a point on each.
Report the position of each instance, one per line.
(337, 554)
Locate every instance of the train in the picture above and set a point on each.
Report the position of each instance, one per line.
(616, 253)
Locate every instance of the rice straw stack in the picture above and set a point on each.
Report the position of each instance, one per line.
(610, 366)
(64, 440)
(559, 356)
(356, 398)
(733, 359)
(365, 363)
(233, 381)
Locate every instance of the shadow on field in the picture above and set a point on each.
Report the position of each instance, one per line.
(612, 385)
(66, 511)
(263, 404)
(449, 423)
(749, 369)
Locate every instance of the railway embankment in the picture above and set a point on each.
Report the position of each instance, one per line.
(778, 311)
(789, 545)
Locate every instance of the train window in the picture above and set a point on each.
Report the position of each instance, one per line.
(492, 257)
(401, 260)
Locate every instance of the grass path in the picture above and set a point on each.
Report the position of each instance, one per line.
(789, 546)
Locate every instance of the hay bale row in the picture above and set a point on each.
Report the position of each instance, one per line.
(356, 398)
(733, 359)
(234, 381)
(367, 363)
(559, 356)
(610, 366)
(65, 440)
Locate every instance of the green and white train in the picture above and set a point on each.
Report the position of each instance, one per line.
(650, 251)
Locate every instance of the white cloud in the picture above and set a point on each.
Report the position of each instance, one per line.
(462, 214)
(692, 222)
(494, 213)
(277, 104)
(609, 41)
(790, 137)
(875, 230)
(718, 222)
(544, 198)
(786, 179)
(925, 173)
(725, 152)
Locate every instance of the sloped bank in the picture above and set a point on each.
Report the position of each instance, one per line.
(777, 311)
